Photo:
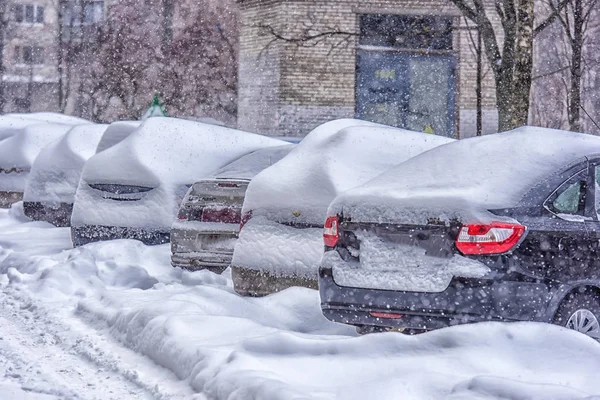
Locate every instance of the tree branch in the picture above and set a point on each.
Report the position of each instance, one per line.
(548, 21)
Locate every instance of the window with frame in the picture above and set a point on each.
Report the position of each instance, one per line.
(28, 13)
(83, 13)
(406, 31)
(33, 55)
(570, 197)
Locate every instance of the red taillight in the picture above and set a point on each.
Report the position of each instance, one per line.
(386, 315)
(330, 232)
(245, 218)
(492, 238)
(225, 215)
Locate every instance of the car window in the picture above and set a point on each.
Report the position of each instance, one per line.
(569, 199)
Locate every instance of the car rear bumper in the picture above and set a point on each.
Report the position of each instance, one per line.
(81, 235)
(464, 301)
(256, 283)
(58, 216)
(214, 261)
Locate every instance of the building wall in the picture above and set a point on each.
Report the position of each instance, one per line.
(36, 83)
(291, 89)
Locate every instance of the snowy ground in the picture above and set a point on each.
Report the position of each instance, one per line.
(114, 321)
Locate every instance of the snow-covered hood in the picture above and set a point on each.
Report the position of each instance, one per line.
(300, 187)
(56, 171)
(465, 178)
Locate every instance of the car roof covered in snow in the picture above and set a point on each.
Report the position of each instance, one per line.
(466, 178)
(246, 167)
(331, 159)
(56, 170)
(10, 124)
(116, 132)
(21, 149)
(173, 151)
(51, 117)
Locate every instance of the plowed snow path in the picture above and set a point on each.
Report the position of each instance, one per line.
(45, 359)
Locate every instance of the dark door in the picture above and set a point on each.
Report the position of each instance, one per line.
(594, 223)
(557, 247)
(410, 91)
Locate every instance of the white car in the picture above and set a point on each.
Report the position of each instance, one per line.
(55, 174)
(208, 222)
(133, 189)
(17, 154)
(280, 244)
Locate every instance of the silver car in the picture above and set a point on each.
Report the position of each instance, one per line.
(208, 222)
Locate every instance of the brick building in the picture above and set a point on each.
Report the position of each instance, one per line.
(408, 63)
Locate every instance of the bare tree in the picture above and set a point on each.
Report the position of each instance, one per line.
(574, 19)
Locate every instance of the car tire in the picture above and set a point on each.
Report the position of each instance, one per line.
(580, 311)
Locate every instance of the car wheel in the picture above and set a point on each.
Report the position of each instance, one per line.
(580, 311)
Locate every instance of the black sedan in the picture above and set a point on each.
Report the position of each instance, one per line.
(497, 228)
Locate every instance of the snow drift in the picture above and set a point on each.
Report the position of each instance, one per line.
(278, 347)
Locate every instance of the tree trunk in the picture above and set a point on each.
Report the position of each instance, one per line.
(523, 65)
(576, 50)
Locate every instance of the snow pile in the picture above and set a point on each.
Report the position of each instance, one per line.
(20, 150)
(56, 171)
(297, 190)
(166, 155)
(277, 347)
(463, 179)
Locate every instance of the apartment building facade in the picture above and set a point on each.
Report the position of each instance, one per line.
(30, 46)
(410, 64)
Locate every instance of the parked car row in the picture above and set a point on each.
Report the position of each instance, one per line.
(398, 230)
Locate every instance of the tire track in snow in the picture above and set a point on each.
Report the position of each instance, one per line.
(44, 355)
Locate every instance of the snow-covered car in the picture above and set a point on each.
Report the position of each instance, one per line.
(208, 222)
(496, 228)
(115, 133)
(13, 123)
(17, 154)
(55, 174)
(280, 243)
(134, 188)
